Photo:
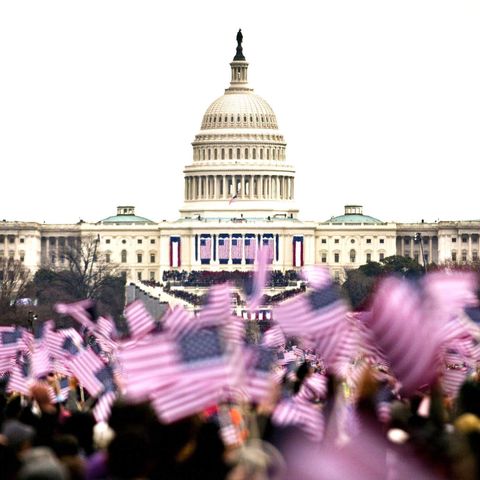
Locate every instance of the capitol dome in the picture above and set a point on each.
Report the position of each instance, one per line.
(239, 166)
(239, 110)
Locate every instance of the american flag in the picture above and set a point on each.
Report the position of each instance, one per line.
(179, 320)
(301, 413)
(139, 321)
(205, 371)
(250, 248)
(205, 248)
(274, 337)
(84, 366)
(20, 376)
(314, 387)
(405, 331)
(259, 377)
(235, 330)
(9, 341)
(218, 307)
(224, 248)
(453, 379)
(103, 406)
(318, 313)
(149, 365)
(267, 244)
(260, 279)
(237, 248)
(81, 311)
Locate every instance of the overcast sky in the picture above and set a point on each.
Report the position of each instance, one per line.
(379, 102)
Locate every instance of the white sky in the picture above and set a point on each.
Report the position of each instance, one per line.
(379, 102)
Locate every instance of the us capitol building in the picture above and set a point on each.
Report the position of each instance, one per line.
(239, 194)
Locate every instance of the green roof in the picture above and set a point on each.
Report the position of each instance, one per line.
(126, 219)
(354, 218)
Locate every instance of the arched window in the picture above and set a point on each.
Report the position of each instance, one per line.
(245, 118)
(352, 255)
(268, 154)
(203, 154)
(230, 153)
(254, 153)
(209, 154)
(273, 154)
(223, 154)
(231, 119)
(246, 153)
(214, 119)
(238, 118)
(226, 119)
(238, 153)
(261, 154)
(124, 256)
(251, 118)
(215, 154)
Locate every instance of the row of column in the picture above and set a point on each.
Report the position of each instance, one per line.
(410, 242)
(239, 153)
(223, 187)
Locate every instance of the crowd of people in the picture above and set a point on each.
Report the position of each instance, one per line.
(203, 278)
(317, 392)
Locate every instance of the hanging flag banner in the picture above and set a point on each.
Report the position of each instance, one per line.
(267, 242)
(237, 248)
(175, 261)
(298, 251)
(250, 248)
(223, 248)
(205, 248)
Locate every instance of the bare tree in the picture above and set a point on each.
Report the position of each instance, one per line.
(85, 273)
(14, 278)
(88, 267)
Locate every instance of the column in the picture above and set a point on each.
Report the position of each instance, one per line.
(252, 182)
(260, 186)
(402, 246)
(270, 184)
(224, 180)
(293, 188)
(277, 182)
(469, 247)
(186, 189)
(430, 249)
(215, 180)
(411, 247)
(242, 187)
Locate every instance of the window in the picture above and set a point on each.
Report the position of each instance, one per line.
(464, 238)
(22, 240)
(139, 240)
(152, 258)
(22, 258)
(454, 240)
(139, 276)
(324, 258)
(230, 154)
(107, 240)
(124, 241)
(369, 257)
(415, 257)
(238, 153)
(107, 257)
(337, 257)
(464, 255)
(324, 240)
(337, 240)
(381, 256)
(382, 240)
(352, 241)
(369, 240)
(152, 240)
(454, 256)
(223, 154)
(352, 256)
(152, 274)
(139, 258)
(254, 154)
(246, 153)
(475, 256)
(124, 256)
(426, 258)
(261, 154)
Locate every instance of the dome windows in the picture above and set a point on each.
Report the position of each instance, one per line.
(246, 154)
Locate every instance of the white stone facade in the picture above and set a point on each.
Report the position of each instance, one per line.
(239, 193)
